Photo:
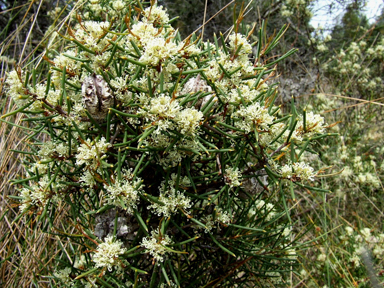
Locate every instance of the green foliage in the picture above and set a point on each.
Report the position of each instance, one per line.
(352, 25)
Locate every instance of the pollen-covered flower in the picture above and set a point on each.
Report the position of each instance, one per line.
(156, 245)
(40, 193)
(118, 5)
(156, 15)
(188, 120)
(253, 116)
(171, 198)
(62, 61)
(144, 31)
(285, 12)
(158, 49)
(233, 176)
(64, 276)
(298, 171)
(91, 34)
(243, 94)
(314, 124)
(108, 252)
(366, 233)
(15, 88)
(163, 106)
(322, 47)
(238, 43)
(124, 193)
(222, 216)
(91, 152)
(49, 150)
(349, 230)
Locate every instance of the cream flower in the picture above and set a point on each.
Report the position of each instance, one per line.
(155, 245)
(108, 252)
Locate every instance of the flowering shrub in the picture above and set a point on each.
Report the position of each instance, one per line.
(176, 138)
(291, 7)
(356, 197)
(356, 67)
(351, 250)
(359, 161)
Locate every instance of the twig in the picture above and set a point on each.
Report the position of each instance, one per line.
(29, 32)
(217, 13)
(278, 149)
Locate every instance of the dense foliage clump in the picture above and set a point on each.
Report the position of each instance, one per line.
(169, 156)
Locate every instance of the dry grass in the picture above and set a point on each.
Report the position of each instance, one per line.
(27, 251)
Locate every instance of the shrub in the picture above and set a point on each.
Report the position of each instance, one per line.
(167, 156)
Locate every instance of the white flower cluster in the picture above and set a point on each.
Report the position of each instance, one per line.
(355, 62)
(323, 103)
(243, 93)
(92, 35)
(15, 88)
(287, 231)
(157, 50)
(240, 64)
(118, 5)
(91, 153)
(40, 193)
(233, 176)
(149, 35)
(298, 171)
(238, 43)
(357, 241)
(222, 217)
(171, 199)
(188, 120)
(124, 193)
(121, 93)
(164, 107)
(314, 124)
(362, 172)
(80, 262)
(49, 149)
(87, 179)
(253, 117)
(65, 278)
(266, 209)
(167, 114)
(368, 179)
(108, 253)
(156, 245)
(218, 218)
(156, 15)
(274, 131)
(66, 61)
(292, 7)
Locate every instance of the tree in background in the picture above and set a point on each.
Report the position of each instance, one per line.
(353, 24)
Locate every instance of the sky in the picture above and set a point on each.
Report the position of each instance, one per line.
(321, 18)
